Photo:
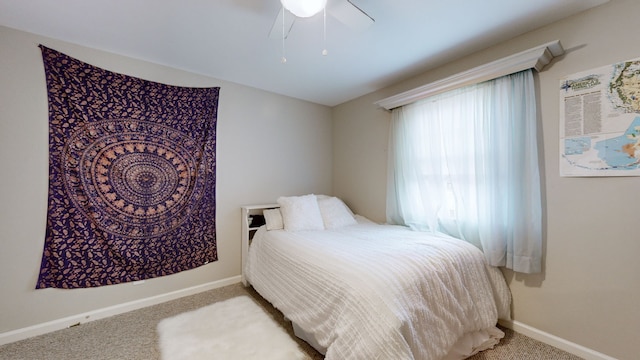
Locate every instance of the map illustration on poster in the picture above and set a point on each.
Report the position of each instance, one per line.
(600, 121)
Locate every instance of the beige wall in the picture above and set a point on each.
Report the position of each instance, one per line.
(589, 292)
(267, 145)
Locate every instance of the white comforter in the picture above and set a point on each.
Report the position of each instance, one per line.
(371, 291)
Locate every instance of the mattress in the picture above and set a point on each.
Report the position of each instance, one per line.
(370, 291)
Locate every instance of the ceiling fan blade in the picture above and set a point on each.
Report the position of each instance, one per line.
(349, 14)
(276, 31)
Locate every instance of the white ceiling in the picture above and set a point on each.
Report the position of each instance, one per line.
(228, 39)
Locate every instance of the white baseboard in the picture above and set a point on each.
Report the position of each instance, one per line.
(555, 341)
(59, 324)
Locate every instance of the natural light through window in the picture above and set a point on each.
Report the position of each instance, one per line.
(465, 163)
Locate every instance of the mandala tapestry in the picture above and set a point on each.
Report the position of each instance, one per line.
(131, 176)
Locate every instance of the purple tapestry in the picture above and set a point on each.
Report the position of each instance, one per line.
(131, 176)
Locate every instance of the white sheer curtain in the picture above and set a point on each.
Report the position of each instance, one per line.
(465, 163)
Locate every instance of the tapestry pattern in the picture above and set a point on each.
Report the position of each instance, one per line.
(131, 176)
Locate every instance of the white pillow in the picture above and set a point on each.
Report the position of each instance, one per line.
(273, 219)
(335, 213)
(300, 213)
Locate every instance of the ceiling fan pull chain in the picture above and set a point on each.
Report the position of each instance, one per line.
(324, 51)
(284, 59)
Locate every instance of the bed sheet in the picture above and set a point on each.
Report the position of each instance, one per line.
(370, 291)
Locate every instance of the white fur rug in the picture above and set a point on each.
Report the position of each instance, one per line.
(234, 329)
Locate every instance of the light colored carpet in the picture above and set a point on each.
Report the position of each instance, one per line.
(233, 329)
(133, 336)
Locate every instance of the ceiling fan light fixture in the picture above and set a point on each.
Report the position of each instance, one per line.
(304, 8)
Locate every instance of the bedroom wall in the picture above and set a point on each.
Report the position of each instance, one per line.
(255, 164)
(589, 292)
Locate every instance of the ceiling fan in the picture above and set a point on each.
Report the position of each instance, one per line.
(343, 10)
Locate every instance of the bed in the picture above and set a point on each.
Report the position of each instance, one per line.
(355, 289)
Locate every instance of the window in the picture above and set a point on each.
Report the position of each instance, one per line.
(465, 163)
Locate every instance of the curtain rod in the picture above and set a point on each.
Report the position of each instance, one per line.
(535, 58)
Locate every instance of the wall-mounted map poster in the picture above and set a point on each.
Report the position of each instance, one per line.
(600, 121)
